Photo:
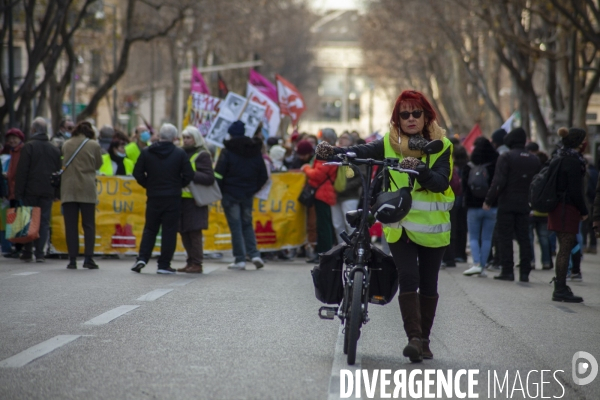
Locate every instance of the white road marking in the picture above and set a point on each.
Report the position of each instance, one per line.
(153, 295)
(208, 270)
(110, 315)
(183, 282)
(37, 351)
(26, 273)
(340, 362)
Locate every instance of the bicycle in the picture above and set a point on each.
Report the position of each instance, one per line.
(356, 275)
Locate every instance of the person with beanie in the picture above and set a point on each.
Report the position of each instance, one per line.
(303, 154)
(498, 141)
(565, 218)
(277, 154)
(510, 189)
(241, 173)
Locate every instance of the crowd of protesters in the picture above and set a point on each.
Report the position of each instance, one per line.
(484, 220)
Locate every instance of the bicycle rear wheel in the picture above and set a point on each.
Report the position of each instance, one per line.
(355, 316)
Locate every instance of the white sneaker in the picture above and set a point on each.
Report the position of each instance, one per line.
(258, 262)
(237, 265)
(483, 274)
(474, 270)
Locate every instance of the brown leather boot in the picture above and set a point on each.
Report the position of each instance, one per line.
(428, 307)
(194, 269)
(184, 269)
(411, 316)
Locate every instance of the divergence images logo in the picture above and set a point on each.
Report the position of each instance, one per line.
(581, 367)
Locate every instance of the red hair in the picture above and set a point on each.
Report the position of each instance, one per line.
(416, 100)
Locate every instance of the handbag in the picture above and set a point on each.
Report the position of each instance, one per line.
(205, 195)
(307, 195)
(56, 177)
(23, 224)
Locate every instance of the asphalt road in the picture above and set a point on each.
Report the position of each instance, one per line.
(114, 334)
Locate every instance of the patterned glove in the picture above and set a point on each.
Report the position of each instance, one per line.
(325, 151)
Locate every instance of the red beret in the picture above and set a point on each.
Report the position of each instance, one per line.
(304, 147)
(15, 132)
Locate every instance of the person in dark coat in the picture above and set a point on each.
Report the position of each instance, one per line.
(565, 219)
(587, 231)
(510, 188)
(193, 218)
(163, 170)
(481, 222)
(241, 173)
(39, 159)
(596, 214)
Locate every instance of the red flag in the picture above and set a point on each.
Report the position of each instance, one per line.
(290, 100)
(198, 84)
(222, 87)
(263, 84)
(469, 141)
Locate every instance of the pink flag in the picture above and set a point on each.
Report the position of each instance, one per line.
(290, 100)
(469, 141)
(263, 84)
(198, 84)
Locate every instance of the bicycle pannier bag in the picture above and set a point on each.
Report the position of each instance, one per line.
(383, 283)
(327, 276)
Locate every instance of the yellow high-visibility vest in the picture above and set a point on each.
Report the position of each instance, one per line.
(133, 151)
(185, 193)
(107, 168)
(428, 221)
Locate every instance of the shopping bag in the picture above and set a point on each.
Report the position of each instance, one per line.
(23, 224)
(204, 195)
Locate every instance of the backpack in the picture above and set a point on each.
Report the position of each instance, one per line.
(543, 196)
(479, 179)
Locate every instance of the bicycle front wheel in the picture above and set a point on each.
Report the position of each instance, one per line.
(356, 317)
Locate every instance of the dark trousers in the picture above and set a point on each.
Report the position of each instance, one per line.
(71, 212)
(161, 211)
(325, 233)
(192, 242)
(45, 204)
(509, 225)
(418, 266)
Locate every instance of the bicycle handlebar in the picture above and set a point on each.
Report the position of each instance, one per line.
(390, 163)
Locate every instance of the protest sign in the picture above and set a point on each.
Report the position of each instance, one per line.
(271, 118)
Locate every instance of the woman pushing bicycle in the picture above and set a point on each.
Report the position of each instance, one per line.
(418, 241)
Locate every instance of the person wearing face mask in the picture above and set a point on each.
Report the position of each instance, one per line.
(565, 219)
(140, 142)
(64, 133)
(418, 241)
(115, 161)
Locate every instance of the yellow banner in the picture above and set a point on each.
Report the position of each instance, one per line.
(279, 221)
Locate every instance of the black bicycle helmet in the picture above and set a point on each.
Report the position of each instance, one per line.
(391, 207)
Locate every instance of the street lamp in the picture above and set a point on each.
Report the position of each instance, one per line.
(100, 15)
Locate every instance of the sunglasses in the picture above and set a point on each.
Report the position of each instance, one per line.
(406, 115)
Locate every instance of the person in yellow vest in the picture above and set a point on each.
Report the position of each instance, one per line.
(114, 162)
(139, 142)
(418, 241)
(194, 219)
